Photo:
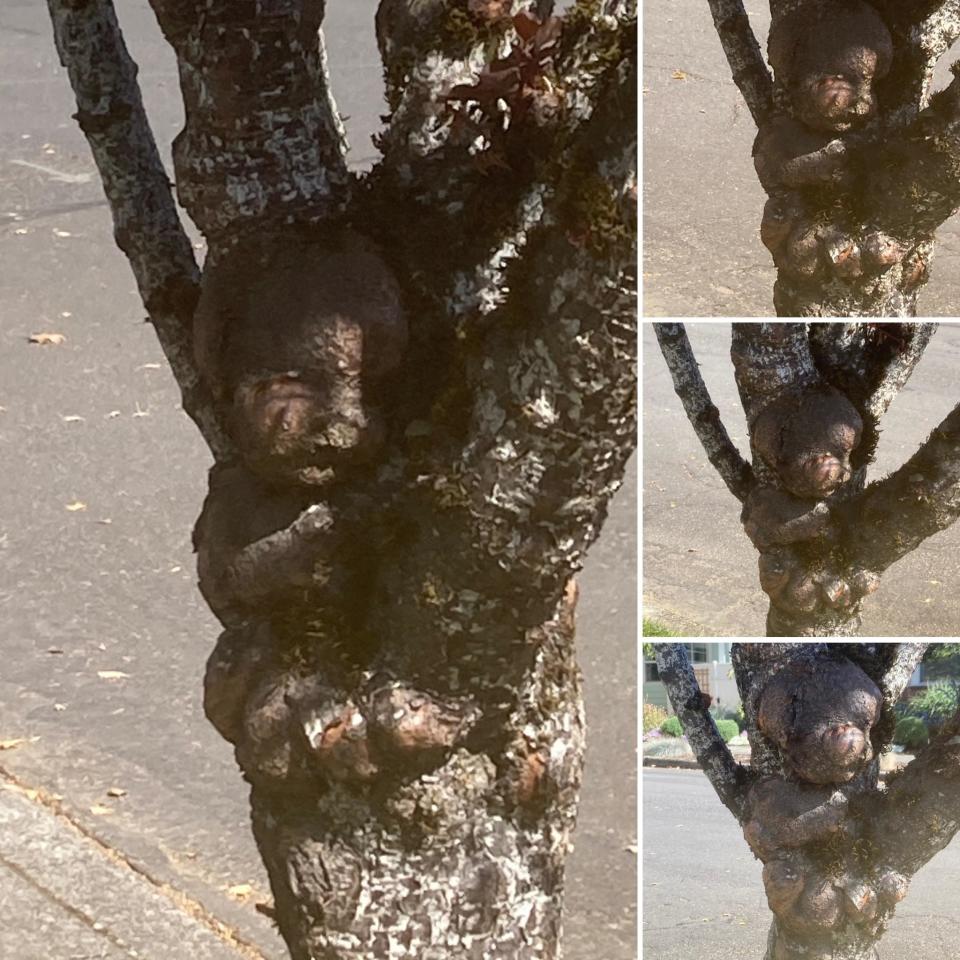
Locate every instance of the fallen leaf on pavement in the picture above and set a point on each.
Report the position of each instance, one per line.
(100, 811)
(47, 338)
(112, 675)
(116, 792)
(240, 890)
(76, 505)
(11, 744)
(678, 75)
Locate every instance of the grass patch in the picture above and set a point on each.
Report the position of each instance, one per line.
(651, 628)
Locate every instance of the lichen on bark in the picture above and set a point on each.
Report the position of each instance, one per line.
(424, 385)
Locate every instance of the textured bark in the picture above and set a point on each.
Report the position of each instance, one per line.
(838, 851)
(426, 379)
(814, 395)
(705, 417)
(146, 224)
(855, 199)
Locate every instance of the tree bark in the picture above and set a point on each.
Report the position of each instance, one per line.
(838, 851)
(860, 174)
(397, 669)
(814, 395)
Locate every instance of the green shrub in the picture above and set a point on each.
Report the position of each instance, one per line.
(937, 704)
(728, 729)
(653, 716)
(671, 727)
(911, 732)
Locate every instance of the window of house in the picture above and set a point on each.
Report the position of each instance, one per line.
(698, 652)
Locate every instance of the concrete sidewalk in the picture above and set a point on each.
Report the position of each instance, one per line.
(63, 894)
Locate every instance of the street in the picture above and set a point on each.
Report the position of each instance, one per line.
(699, 568)
(702, 202)
(703, 895)
(103, 634)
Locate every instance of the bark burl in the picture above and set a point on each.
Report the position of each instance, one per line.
(830, 836)
(814, 395)
(419, 388)
(858, 157)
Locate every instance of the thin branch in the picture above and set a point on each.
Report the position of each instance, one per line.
(703, 415)
(750, 72)
(727, 776)
(905, 661)
(891, 518)
(146, 225)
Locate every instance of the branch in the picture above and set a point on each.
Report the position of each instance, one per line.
(922, 34)
(262, 137)
(769, 359)
(727, 776)
(703, 415)
(146, 225)
(920, 814)
(905, 661)
(485, 117)
(921, 161)
(869, 362)
(891, 518)
(750, 72)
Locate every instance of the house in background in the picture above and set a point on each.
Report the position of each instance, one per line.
(714, 672)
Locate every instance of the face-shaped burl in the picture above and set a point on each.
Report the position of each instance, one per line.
(807, 438)
(820, 715)
(828, 57)
(294, 334)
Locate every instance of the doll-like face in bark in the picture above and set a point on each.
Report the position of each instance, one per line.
(294, 334)
(807, 438)
(828, 56)
(820, 716)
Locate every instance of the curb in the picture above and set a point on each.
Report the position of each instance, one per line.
(683, 764)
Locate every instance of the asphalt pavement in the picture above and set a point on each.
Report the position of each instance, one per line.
(699, 569)
(103, 634)
(702, 255)
(702, 891)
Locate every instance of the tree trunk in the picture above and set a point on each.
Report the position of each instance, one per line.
(858, 159)
(814, 395)
(420, 391)
(838, 851)
(794, 298)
